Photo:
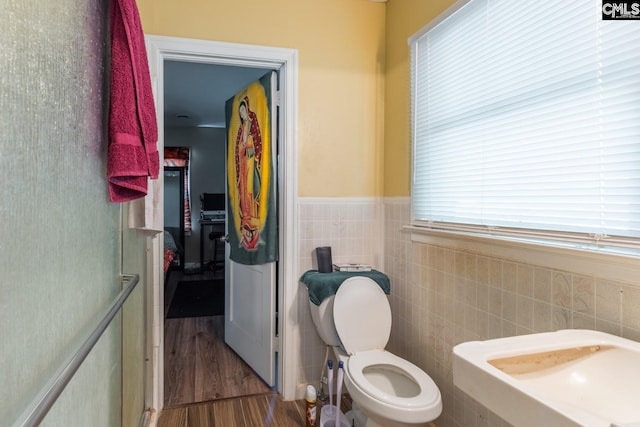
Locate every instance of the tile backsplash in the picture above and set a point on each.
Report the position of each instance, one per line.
(442, 296)
(353, 229)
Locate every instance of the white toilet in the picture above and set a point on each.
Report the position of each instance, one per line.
(389, 390)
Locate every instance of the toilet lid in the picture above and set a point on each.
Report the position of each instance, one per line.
(362, 315)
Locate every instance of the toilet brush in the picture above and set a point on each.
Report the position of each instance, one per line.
(339, 391)
(330, 381)
(328, 412)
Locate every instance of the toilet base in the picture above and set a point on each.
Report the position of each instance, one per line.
(356, 417)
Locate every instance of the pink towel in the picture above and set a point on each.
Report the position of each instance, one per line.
(133, 130)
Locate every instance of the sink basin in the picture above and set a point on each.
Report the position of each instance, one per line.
(572, 377)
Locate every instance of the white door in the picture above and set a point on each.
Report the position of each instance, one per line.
(250, 290)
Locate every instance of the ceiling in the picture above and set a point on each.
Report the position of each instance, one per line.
(199, 91)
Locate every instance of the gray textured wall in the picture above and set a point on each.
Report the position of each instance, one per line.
(59, 235)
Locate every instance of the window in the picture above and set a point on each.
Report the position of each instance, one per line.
(526, 122)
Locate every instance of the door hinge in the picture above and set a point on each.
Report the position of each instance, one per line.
(276, 342)
(278, 99)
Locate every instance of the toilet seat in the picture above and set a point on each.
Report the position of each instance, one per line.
(387, 387)
(426, 395)
(364, 335)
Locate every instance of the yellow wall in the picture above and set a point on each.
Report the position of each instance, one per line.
(404, 17)
(341, 76)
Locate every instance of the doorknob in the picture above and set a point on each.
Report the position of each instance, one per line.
(224, 239)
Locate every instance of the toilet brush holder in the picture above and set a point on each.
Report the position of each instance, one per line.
(328, 415)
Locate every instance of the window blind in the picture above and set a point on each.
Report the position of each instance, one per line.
(526, 120)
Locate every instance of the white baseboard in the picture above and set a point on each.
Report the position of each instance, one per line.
(149, 418)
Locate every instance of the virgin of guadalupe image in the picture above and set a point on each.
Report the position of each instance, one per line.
(252, 216)
(248, 167)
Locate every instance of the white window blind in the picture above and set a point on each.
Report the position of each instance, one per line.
(526, 120)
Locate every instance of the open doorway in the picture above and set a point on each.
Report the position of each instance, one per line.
(199, 365)
(162, 49)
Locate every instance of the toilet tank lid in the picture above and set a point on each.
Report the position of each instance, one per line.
(362, 315)
(323, 285)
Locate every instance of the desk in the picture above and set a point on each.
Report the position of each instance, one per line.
(207, 226)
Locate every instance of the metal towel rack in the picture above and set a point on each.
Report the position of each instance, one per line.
(39, 408)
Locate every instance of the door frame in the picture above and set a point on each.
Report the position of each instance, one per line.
(159, 49)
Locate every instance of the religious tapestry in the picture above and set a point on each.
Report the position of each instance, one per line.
(252, 217)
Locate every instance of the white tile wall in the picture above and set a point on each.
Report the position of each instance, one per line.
(442, 296)
(353, 229)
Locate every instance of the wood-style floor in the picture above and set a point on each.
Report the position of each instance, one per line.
(208, 385)
(251, 411)
(199, 366)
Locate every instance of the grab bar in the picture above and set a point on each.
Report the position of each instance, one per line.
(34, 415)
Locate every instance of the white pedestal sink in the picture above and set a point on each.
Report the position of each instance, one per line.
(571, 377)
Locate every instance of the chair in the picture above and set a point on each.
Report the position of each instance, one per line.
(215, 235)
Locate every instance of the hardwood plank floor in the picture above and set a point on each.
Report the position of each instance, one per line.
(208, 385)
(250, 411)
(199, 366)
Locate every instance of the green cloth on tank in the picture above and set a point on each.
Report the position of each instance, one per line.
(323, 285)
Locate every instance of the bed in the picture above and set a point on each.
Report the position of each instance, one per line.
(172, 249)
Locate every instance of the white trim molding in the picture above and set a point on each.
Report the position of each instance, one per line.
(162, 48)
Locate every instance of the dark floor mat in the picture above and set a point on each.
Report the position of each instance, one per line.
(197, 298)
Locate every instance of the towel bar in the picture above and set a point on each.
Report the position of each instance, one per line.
(40, 406)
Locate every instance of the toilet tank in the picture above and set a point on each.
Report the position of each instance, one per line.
(322, 317)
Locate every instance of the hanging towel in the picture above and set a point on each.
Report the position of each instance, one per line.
(133, 130)
(323, 285)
